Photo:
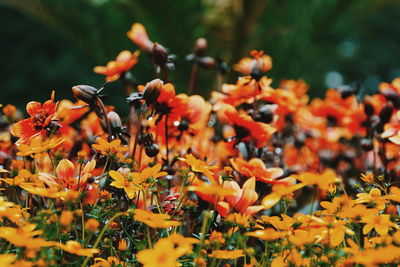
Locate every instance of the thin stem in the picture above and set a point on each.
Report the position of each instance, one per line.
(108, 124)
(166, 139)
(96, 243)
(138, 129)
(193, 76)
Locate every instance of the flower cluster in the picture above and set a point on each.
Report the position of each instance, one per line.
(253, 176)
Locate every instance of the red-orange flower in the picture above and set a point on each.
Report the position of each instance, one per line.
(246, 128)
(256, 65)
(256, 168)
(41, 116)
(124, 62)
(138, 35)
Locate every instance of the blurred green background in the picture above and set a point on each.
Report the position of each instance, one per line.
(54, 44)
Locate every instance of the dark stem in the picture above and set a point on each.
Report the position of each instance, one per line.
(108, 124)
(166, 138)
(139, 128)
(193, 76)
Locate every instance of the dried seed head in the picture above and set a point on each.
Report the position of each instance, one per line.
(152, 91)
(86, 93)
(115, 120)
(160, 55)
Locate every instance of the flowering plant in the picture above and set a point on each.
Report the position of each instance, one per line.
(253, 176)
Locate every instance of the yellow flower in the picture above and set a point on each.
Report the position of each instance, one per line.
(368, 177)
(239, 219)
(374, 196)
(74, 247)
(226, 254)
(163, 254)
(279, 191)
(154, 220)
(122, 182)
(214, 190)
(37, 145)
(109, 262)
(323, 180)
(199, 166)
(113, 148)
(381, 223)
(24, 236)
(339, 206)
(268, 234)
(150, 172)
(24, 176)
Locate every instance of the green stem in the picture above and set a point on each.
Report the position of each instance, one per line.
(96, 243)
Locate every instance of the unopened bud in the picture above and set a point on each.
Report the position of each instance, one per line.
(160, 55)
(151, 150)
(86, 93)
(200, 46)
(152, 91)
(115, 120)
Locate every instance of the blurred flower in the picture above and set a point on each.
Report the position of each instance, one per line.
(114, 69)
(154, 220)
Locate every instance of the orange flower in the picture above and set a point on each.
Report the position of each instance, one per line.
(129, 185)
(246, 129)
(279, 191)
(138, 35)
(256, 168)
(40, 118)
(243, 198)
(124, 62)
(258, 64)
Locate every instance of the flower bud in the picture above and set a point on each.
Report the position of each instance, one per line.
(200, 46)
(85, 93)
(66, 217)
(122, 245)
(160, 55)
(115, 120)
(151, 150)
(152, 91)
(92, 225)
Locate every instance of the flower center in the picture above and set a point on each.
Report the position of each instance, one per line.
(38, 121)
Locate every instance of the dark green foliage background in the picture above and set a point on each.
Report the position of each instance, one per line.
(54, 44)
